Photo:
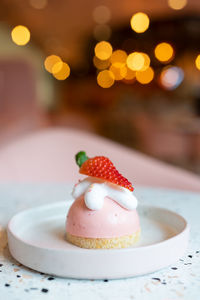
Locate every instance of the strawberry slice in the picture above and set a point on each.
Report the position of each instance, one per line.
(101, 167)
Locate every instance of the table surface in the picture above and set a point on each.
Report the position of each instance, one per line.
(179, 281)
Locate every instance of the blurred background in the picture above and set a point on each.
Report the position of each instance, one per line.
(126, 70)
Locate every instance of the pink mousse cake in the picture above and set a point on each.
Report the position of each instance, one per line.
(103, 214)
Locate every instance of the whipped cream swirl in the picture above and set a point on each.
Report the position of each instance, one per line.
(95, 190)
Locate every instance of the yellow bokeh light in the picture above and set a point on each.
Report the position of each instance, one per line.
(50, 61)
(103, 50)
(164, 52)
(130, 74)
(146, 61)
(177, 4)
(20, 35)
(197, 62)
(135, 61)
(118, 58)
(119, 71)
(57, 67)
(140, 22)
(105, 79)
(101, 64)
(146, 76)
(61, 70)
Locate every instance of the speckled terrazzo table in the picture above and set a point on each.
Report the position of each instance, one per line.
(179, 281)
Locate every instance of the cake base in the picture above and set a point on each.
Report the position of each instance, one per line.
(104, 243)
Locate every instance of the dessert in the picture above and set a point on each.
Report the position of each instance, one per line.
(103, 214)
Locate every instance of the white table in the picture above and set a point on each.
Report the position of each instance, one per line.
(179, 281)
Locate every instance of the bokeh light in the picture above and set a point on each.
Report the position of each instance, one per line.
(119, 71)
(61, 70)
(102, 32)
(103, 50)
(20, 35)
(171, 77)
(197, 62)
(50, 61)
(118, 58)
(101, 64)
(177, 4)
(135, 61)
(145, 77)
(38, 4)
(101, 14)
(146, 61)
(130, 74)
(105, 79)
(164, 52)
(140, 22)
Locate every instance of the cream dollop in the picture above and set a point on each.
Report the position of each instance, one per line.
(95, 190)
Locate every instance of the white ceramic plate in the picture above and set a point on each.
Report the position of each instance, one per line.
(36, 238)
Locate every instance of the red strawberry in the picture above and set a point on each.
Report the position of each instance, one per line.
(101, 167)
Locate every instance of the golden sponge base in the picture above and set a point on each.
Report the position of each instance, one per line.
(104, 243)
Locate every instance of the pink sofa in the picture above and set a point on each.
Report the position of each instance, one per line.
(48, 156)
